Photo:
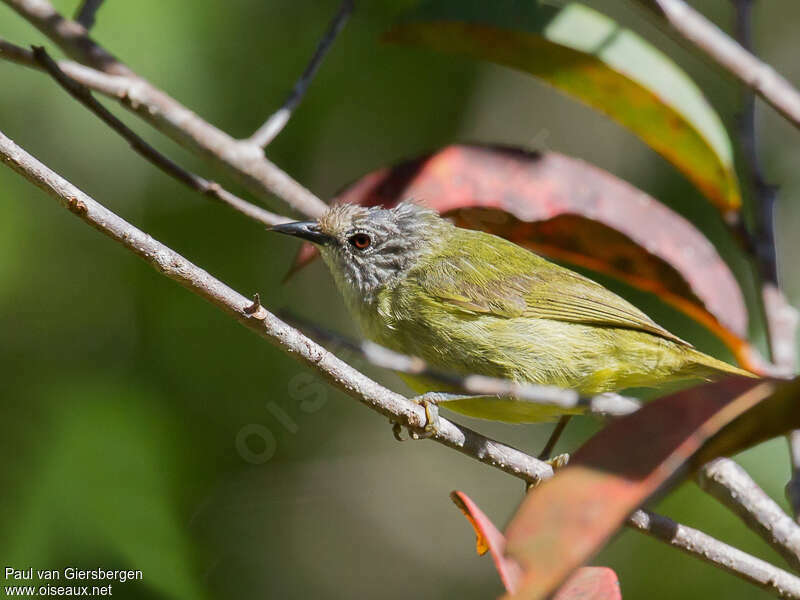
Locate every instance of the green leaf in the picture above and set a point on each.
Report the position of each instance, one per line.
(592, 58)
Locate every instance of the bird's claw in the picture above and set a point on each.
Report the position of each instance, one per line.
(397, 431)
(558, 462)
(431, 419)
(431, 428)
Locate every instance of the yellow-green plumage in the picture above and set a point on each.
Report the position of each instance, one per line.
(470, 302)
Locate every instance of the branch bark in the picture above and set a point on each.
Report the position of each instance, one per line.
(243, 160)
(709, 38)
(721, 555)
(730, 484)
(164, 164)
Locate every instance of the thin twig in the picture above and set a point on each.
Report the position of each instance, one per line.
(113, 86)
(242, 160)
(721, 555)
(164, 164)
(278, 120)
(476, 385)
(730, 484)
(755, 74)
(763, 248)
(354, 383)
(86, 13)
(764, 194)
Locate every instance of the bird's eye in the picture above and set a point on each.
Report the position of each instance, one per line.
(360, 240)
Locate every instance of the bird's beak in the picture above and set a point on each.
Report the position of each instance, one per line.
(306, 230)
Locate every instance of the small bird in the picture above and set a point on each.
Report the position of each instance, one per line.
(468, 302)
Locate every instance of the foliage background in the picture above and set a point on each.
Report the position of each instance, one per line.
(122, 394)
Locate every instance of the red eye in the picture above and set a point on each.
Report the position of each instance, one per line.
(360, 241)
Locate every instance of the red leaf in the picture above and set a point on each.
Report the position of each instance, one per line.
(566, 209)
(488, 537)
(588, 583)
(564, 521)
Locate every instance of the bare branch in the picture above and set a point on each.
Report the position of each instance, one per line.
(730, 484)
(755, 74)
(267, 325)
(195, 182)
(71, 36)
(243, 160)
(717, 553)
(723, 478)
(86, 13)
(278, 120)
(780, 317)
(782, 321)
(477, 385)
(113, 86)
(355, 384)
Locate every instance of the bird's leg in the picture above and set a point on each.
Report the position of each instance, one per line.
(562, 459)
(429, 402)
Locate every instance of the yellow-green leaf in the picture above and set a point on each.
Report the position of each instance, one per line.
(592, 58)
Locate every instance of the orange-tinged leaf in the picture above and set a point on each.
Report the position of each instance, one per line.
(567, 519)
(489, 538)
(571, 211)
(588, 56)
(587, 583)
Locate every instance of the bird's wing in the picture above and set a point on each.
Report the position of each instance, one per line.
(508, 281)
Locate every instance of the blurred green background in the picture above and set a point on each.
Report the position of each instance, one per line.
(126, 399)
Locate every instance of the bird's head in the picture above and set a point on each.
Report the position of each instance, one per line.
(367, 248)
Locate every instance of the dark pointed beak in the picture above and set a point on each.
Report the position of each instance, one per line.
(306, 230)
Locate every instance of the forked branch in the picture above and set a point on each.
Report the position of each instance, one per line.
(243, 160)
(199, 184)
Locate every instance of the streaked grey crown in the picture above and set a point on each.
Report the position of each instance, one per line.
(397, 238)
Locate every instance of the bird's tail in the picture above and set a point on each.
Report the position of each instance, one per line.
(708, 367)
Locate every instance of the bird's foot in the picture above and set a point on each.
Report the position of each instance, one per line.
(428, 401)
(397, 430)
(558, 462)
